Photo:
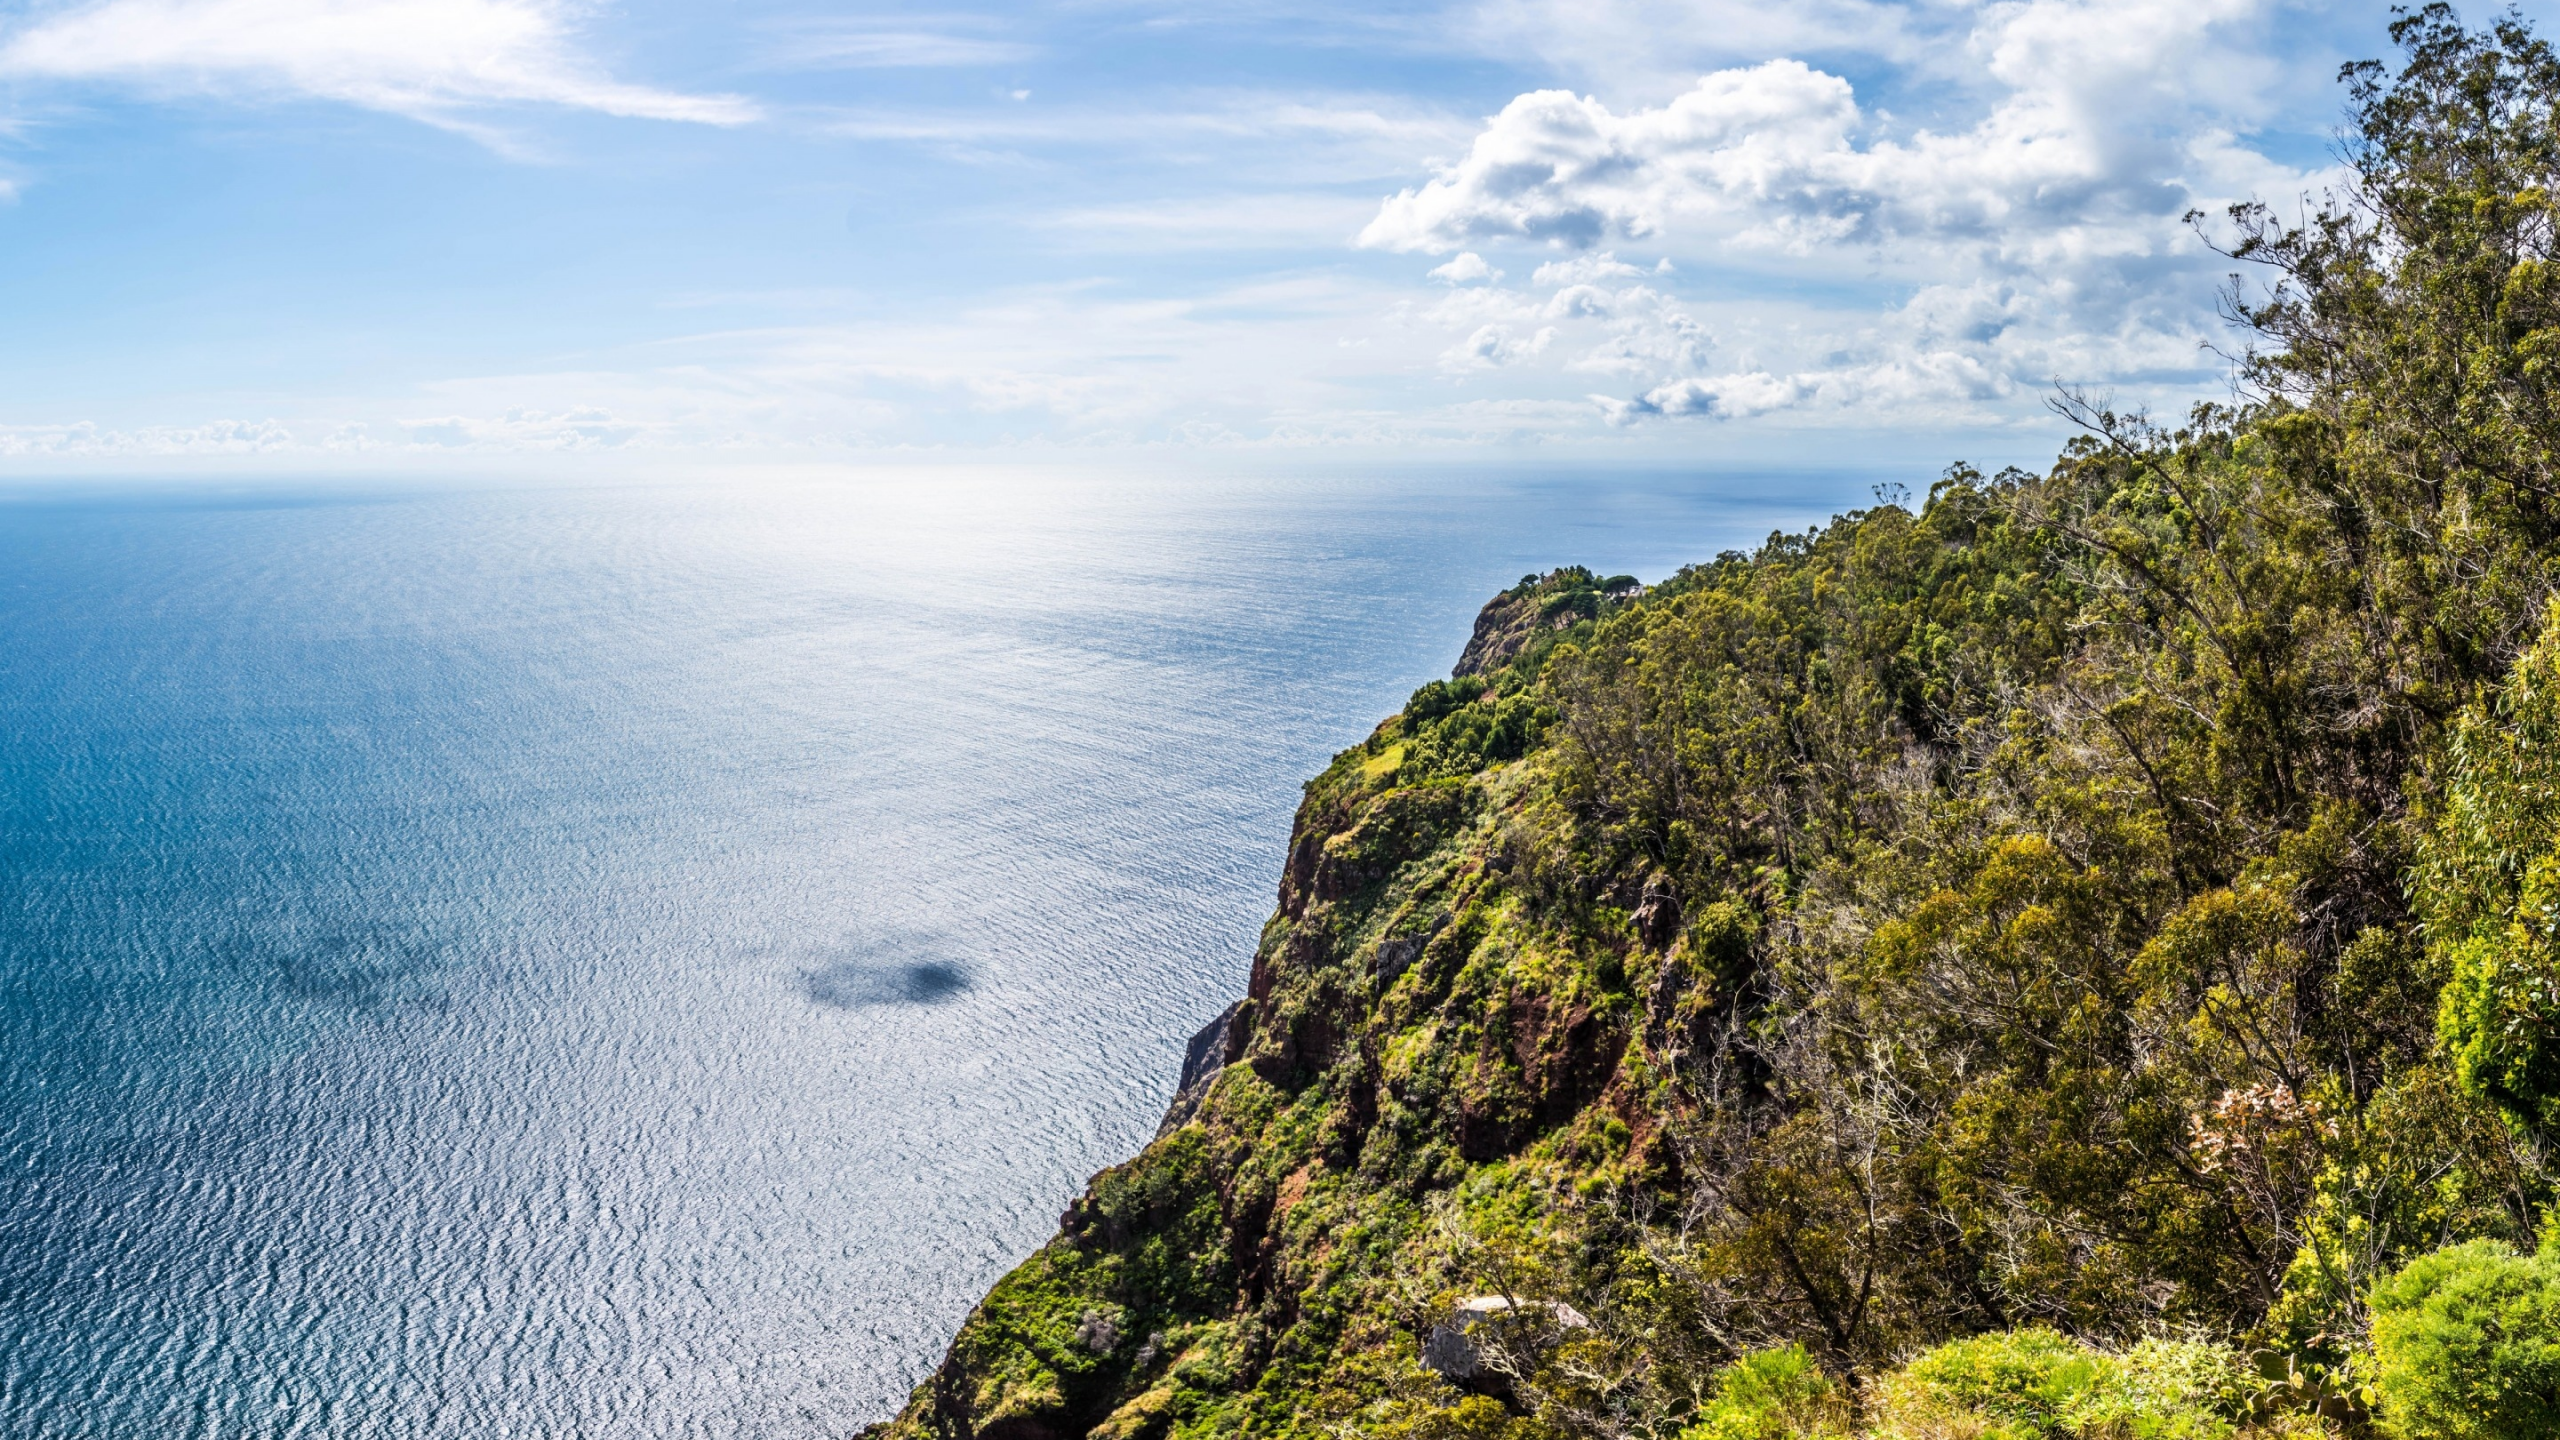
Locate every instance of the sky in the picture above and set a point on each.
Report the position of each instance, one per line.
(362, 232)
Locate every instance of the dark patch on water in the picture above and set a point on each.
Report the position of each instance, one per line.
(851, 985)
(899, 970)
(355, 970)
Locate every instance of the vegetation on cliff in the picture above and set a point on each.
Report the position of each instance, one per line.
(2078, 958)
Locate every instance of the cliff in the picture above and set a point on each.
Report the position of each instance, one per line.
(1928, 926)
(1407, 1025)
(1533, 612)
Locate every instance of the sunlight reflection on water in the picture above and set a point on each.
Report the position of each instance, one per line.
(640, 962)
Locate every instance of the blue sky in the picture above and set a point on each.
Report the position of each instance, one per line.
(379, 231)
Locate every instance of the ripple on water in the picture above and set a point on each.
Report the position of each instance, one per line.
(641, 962)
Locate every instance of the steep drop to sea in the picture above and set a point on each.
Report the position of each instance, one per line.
(1953, 927)
(1269, 1249)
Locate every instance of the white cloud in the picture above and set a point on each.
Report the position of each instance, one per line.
(1941, 379)
(83, 439)
(1767, 143)
(513, 431)
(583, 427)
(1726, 397)
(434, 60)
(1069, 365)
(1584, 269)
(1468, 268)
(1647, 332)
(1954, 270)
(1296, 360)
(1494, 346)
(1331, 138)
(1633, 330)
(872, 49)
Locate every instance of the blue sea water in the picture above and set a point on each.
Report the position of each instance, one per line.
(640, 961)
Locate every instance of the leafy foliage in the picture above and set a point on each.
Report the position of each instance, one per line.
(1771, 1395)
(2493, 889)
(2467, 1345)
(2036, 1385)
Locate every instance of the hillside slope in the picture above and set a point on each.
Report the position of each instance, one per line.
(2104, 905)
(1924, 926)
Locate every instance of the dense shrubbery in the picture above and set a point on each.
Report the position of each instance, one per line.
(1458, 727)
(1887, 982)
(2492, 891)
(1776, 1394)
(2466, 1345)
(2037, 1385)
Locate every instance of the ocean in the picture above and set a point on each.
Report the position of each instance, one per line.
(490, 960)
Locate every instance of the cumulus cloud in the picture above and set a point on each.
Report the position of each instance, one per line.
(1468, 268)
(1584, 269)
(1626, 330)
(1494, 346)
(1780, 156)
(1561, 168)
(2041, 238)
(434, 60)
(1726, 397)
(1647, 332)
(1938, 378)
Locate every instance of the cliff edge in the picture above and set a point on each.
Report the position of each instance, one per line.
(1924, 927)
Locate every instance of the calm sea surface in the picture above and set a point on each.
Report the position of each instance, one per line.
(640, 962)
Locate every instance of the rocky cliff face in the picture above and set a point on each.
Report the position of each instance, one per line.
(1539, 606)
(1988, 919)
(1406, 1026)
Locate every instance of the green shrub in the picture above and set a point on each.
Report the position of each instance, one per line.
(1772, 1395)
(2177, 1388)
(1439, 698)
(2023, 1382)
(2466, 1345)
(2036, 1385)
(2491, 888)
